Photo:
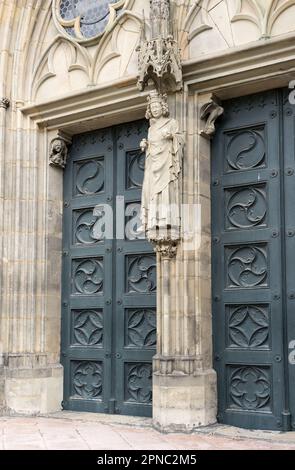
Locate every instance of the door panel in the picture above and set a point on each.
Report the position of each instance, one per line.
(135, 288)
(87, 276)
(109, 283)
(248, 263)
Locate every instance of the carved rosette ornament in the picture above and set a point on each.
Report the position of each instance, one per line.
(58, 152)
(159, 56)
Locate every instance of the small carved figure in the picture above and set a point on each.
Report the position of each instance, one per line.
(160, 210)
(58, 152)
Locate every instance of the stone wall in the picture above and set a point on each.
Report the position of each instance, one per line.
(212, 26)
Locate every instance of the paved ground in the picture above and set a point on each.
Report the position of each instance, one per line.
(68, 430)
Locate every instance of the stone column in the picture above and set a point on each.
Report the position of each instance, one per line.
(32, 377)
(184, 383)
(30, 230)
(4, 105)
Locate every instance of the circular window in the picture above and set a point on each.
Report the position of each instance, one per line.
(86, 20)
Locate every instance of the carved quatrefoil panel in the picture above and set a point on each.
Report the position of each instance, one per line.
(86, 20)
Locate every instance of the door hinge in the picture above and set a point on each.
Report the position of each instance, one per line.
(112, 406)
(64, 404)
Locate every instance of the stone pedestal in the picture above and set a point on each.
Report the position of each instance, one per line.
(30, 386)
(184, 402)
(184, 383)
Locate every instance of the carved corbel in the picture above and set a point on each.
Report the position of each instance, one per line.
(210, 111)
(4, 103)
(166, 248)
(58, 153)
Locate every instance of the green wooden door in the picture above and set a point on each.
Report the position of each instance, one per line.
(253, 252)
(109, 276)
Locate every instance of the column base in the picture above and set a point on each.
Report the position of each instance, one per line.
(31, 391)
(182, 403)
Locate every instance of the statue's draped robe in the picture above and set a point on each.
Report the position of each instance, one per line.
(161, 193)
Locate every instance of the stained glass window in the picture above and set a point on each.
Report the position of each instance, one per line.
(94, 17)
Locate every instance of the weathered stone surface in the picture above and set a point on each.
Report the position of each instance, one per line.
(31, 391)
(183, 403)
(86, 431)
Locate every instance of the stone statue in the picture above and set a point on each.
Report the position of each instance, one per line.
(58, 152)
(160, 211)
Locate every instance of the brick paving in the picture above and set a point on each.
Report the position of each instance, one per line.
(83, 431)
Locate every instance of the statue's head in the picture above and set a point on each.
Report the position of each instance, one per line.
(157, 106)
(58, 146)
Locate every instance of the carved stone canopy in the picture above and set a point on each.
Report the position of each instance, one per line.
(159, 61)
(159, 56)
